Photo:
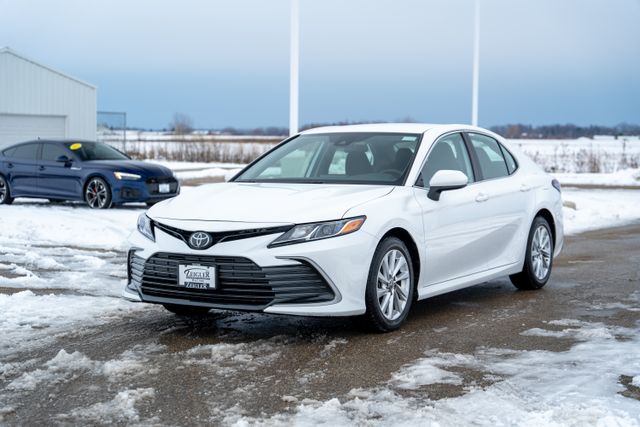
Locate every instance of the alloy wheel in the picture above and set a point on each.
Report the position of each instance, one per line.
(541, 252)
(96, 193)
(393, 284)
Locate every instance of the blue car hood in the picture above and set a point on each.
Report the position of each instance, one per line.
(131, 166)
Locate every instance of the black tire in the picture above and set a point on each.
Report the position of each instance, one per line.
(186, 310)
(97, 193)
(5, 192)
(374, 317)
(528, 279)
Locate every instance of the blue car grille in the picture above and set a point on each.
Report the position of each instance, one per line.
(153, 184)
(241, 284)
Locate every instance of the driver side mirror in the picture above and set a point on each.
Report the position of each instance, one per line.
(445, 180)
(64, 159)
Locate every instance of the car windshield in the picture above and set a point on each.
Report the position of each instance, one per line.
(337, 158)
(95, 151)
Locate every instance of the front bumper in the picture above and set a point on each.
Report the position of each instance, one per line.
(321, 278)
(144, 190)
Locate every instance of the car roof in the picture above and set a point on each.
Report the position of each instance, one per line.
(390, 127)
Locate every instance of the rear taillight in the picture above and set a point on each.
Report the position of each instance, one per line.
(556, 185)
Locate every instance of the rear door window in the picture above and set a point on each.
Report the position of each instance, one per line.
(25, 152)
(489, 155)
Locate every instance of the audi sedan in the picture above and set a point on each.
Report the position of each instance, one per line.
(90, 171)
(352, 221)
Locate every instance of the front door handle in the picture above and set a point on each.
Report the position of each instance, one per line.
(525, 187)
(481, 197)
(10, 165)
(42, 168)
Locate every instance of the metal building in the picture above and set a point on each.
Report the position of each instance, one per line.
(39, 102)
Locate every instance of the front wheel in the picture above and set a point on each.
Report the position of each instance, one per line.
(186, 310)
(5, 192)
(538, 258)
(97, 194)
(390, 286)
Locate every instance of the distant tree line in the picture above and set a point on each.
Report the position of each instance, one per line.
(566, 131)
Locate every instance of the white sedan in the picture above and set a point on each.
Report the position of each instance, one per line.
(352, 221)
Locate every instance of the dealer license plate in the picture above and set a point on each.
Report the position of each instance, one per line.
(197, 276)
(164, 188)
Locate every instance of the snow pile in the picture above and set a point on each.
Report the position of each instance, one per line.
(121, 409)
(70, 225)
(580, 386)
(599, 209)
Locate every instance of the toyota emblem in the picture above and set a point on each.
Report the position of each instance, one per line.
(200, 240)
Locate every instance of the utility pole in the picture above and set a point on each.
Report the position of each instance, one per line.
(294, 65)
(476, 64)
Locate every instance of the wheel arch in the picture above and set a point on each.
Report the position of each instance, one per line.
(548, 216)
(92, 175)
(407, 239)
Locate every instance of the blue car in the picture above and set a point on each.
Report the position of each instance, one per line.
(81, 170)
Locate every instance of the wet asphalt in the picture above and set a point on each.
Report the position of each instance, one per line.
(228, 362)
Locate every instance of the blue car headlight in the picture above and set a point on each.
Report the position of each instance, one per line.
(319, 230)
(126, 176)
(145, 227)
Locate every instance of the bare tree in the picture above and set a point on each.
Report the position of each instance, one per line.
(181, 124)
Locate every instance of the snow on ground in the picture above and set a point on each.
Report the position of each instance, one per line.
(595, 209)
(624, 177)
(66, 264)
(191, 166)
(220, 173)
(577, 387)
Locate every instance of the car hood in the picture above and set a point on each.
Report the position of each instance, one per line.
(130, 166)
(266, 202)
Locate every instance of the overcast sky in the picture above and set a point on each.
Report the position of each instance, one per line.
(225, 63)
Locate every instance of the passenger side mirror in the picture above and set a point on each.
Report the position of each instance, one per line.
(445, 180)
(64, 159)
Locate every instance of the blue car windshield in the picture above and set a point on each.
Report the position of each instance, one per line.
(378, 158)
(95, 151)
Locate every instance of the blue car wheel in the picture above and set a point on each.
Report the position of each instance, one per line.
(5, 192)
(97, 194)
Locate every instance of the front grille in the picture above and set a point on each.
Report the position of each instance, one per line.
(241, 284)
(221, 236)
(153, 184)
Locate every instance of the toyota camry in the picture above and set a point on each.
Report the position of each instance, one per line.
(352, 221)
(81, 170)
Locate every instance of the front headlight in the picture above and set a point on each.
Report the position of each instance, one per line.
(145, 227)
(125, 176)
(319, 230)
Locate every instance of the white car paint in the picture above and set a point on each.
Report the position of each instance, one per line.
(469, 236)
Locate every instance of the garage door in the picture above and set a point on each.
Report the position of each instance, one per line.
(18, 127)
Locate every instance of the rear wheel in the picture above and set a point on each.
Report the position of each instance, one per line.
(538, 258)
(390, 286)
(97, 194)
(186, 310)
(5, 192)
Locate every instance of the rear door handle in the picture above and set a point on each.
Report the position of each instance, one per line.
(42, 168)
(525, 187)
(481, 197)
(10, 165)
